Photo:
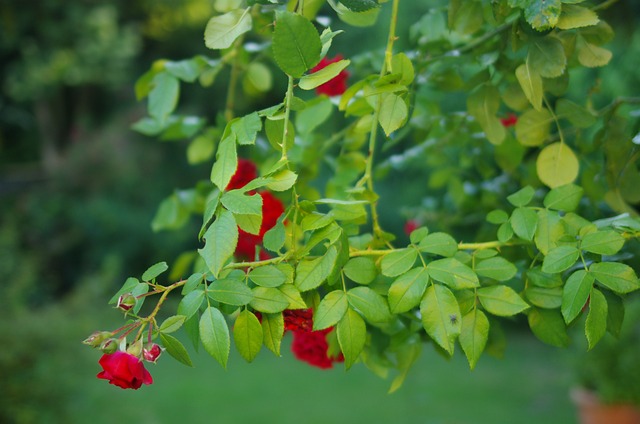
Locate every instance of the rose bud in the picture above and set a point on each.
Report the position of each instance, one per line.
(96, 339)
(151, 352)
(135, 349)
(126, 302)
(109, 346)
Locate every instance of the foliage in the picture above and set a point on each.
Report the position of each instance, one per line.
(556, 188)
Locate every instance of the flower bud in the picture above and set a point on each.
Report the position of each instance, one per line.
(135, 349)
(96, 339)
(109, 346)
(126, 302)
(151, 352)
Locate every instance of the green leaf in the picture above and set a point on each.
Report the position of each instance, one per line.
(230, 292)
(373, 306)
(237, 202)
(269, 300)
(360, 6)
(542, 14)
(564, 198)
(501, 301)
(200, 150)
(573, 16)
(311, 273)
(223, 30)
(172, 214)
(578, 115)
(407, 290)
(272, 331)
(557, 165)
(282, 180)
(330, 310)
(549, 231)
(220, 242)
(329, 72)
(439, 244)
(247, 335)
(294, 297)
(274, 239)
(214, 334)
(531, 83)
(533, 127)
(483, 105)
(186, 70)
(474, 335)
(575, 294)
(246, 128)
(522, 197)
(352, 335)
(441, 316)
(267, 276)
(560, 259)
(592, 56)
(453, 273)
(618, 277)
(542, 279)
(497, 268)
(154, 270)
(398, 262)
(163, 97)
(615, 313)
(401, 64)
(176, 349)
(192, 283)
(548, 298)
(171, 324)
(602, 242)
(316, 113)
(393, 113)
(226, 163)
(361, 270)
(190, 304)
(296, 44)
(547, 57)
(497, 217)
(548, 326)
(524, 222)
(596, 325)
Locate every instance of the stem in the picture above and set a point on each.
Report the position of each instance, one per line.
(604, 5)
(496, 244)
(233, 81)
(287, 113)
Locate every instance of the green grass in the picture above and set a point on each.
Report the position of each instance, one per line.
(530, 385)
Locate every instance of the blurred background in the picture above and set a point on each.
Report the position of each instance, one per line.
(78, 190)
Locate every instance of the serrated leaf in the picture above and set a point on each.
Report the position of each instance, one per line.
(407, 290)
(311, 81)
(618, 277)
(361, 270)
(453, 273)
(564, 198)
(548, 326)
(560, 259)
(549, 231)
(330, 310)
(171, 324)
(531, 83)
(176, 349)
(542, 14)
(393, 113)
(230, 292)
(274, 239)
(596, 324)
(352, 334)
(192, 283)
(501, 301)
(296, 44)
(272, 331)
(441, 316)
(190, 304)
(238, 202)
(282, 180)
(247, 335)
(602, 242)
(311, 273)
(575, 294)
(269, 300)
(154, 270)
(214, 334)
(548, 298)
(398, 262)
(221, 31)
(294, 297)
(592, 56)
(267, 276)
(497, 268)
(373, 306)
(578, 115)
(524, 222)
(547, 57)
(573, 16)
(226, 163)
(542, 279)
(439, 244)
(220, 242)
(522, 197)
(246, 128)
(474, 335)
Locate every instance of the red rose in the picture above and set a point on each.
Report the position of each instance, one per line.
(312, 348)
(509, 121)
(272, 208)
(245, 173)
(336, 85)
(124, 370)
(410, 226)
(298, 320)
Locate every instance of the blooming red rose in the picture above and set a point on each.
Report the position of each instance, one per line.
(124, 370)
(509, 121)
(272, 208)
(312, 348)
(336, 85)
(298, 319)
(245, 172)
